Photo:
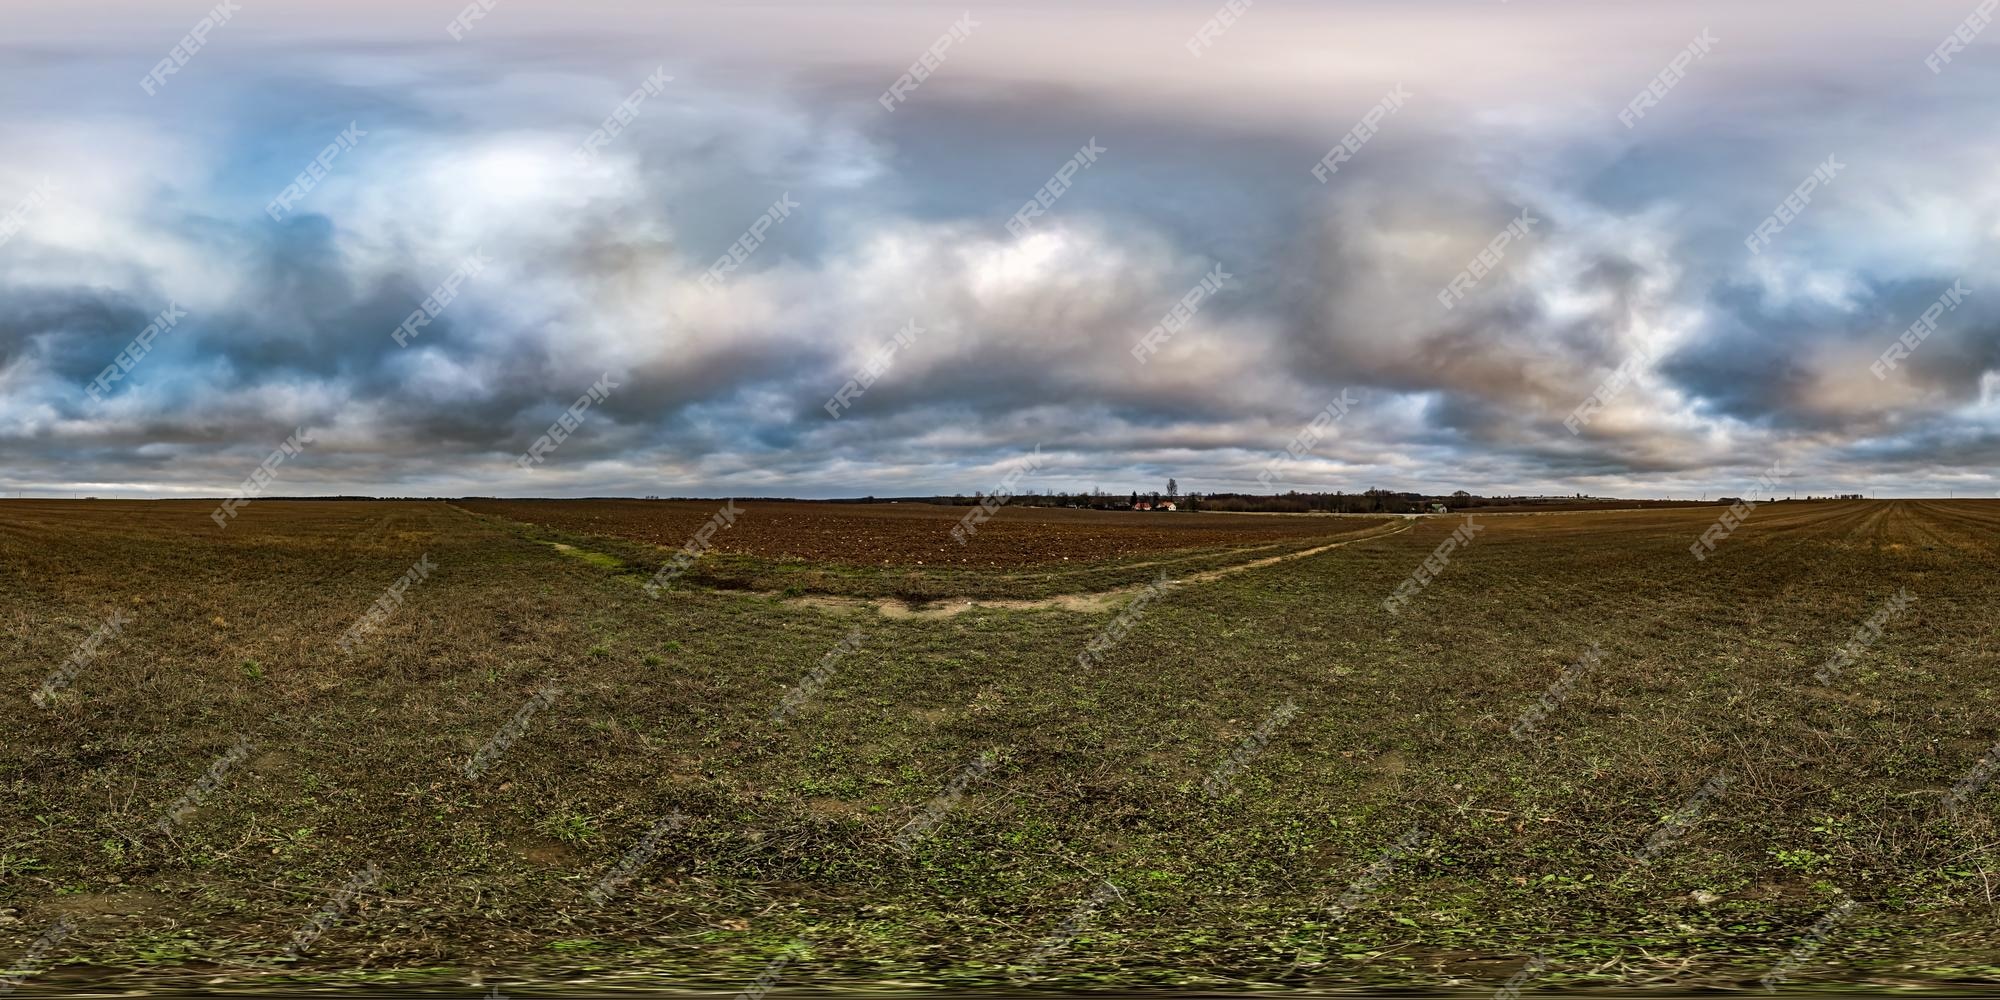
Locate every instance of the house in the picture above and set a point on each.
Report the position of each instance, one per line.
(1167, 505)
(1142, 505)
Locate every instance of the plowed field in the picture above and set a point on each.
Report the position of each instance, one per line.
(910, 534)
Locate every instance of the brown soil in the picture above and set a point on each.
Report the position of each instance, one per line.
(905, 534)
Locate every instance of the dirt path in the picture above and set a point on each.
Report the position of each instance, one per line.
(1098, 602)
(1090, 603)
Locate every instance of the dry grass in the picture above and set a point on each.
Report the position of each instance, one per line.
(1402, 722)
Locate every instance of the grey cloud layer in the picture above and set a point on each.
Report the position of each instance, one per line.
(1636, 249)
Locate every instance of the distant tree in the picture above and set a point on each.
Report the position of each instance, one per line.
(1135, 498)
(1173, 489)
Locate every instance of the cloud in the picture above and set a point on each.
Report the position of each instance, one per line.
(596, 268)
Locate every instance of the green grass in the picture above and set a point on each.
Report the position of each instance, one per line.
(601, 560)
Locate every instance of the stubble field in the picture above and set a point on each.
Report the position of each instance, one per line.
(532, 770)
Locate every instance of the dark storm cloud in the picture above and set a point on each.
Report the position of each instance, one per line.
(72, 332)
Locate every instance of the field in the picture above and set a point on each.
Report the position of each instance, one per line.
(531, 770)
(907, 534)
(907, 549)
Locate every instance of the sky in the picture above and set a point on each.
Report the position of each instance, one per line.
(1519, 276)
